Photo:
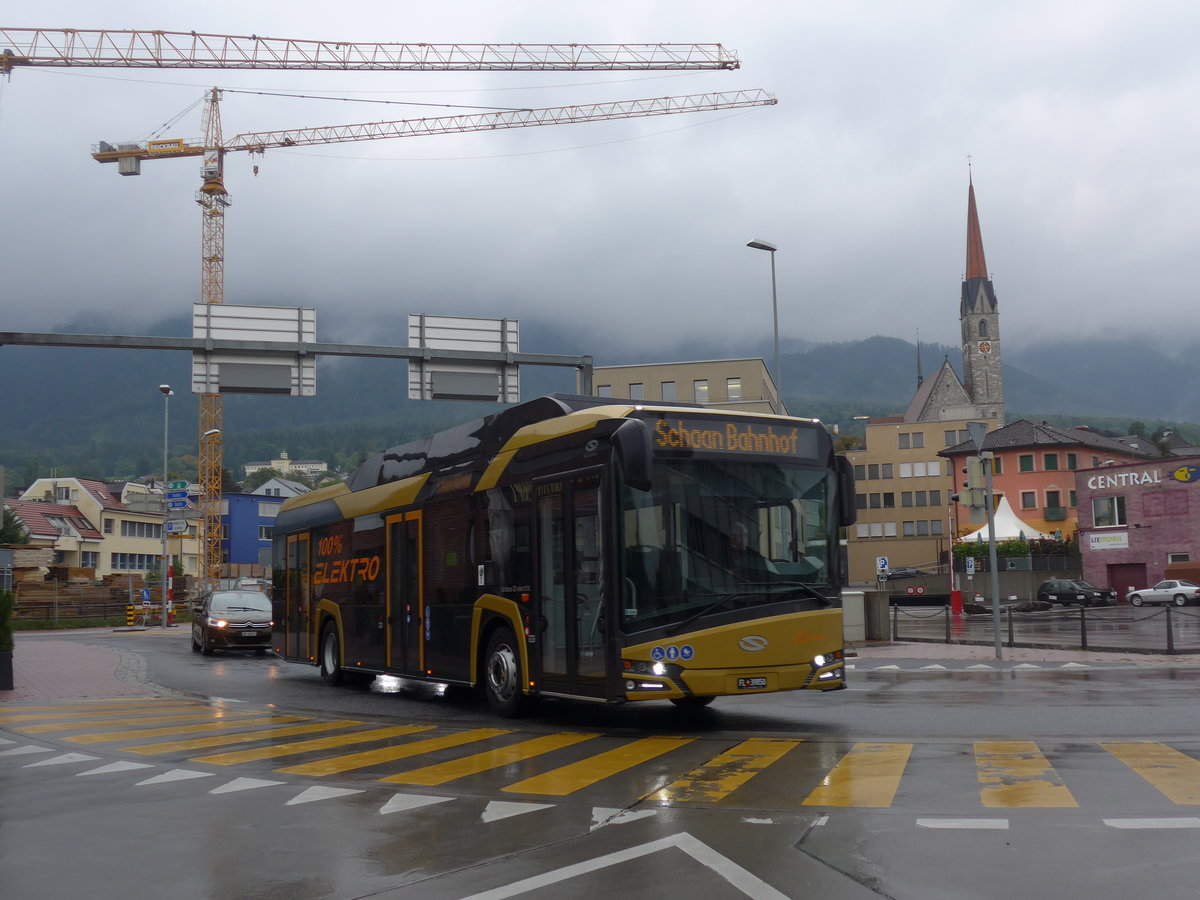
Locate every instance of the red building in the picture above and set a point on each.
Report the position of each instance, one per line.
(1136, 518)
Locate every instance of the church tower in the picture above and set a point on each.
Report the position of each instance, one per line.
(979, 318)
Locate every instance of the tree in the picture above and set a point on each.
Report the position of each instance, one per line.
(11, 530)
(262, 476)
(1137, 428)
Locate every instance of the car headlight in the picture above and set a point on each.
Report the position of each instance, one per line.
(217, 623)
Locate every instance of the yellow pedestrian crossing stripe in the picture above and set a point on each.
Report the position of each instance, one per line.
(1016, 774)
(868, 777)
(725, 773)
(656, 771)
(1175, 774)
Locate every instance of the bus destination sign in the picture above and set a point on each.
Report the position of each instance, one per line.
(705, 434)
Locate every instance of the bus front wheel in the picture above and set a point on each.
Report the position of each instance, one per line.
(331, 656)
(502, 678)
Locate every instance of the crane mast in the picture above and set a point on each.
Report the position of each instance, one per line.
(35, 47)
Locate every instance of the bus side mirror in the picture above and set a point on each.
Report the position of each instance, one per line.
(847, 511)
(632, 443)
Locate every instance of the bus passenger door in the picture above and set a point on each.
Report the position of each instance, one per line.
(299, 599)
(404, 592)
(571, 586)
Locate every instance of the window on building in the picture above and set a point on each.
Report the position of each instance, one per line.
(265, 532)
(922, 498)
(1053, 499)
(134, 562)
(89, 559)
(1108, 511)
(873, 470)
(983, 329)
(876, 501)
(668, 391)
(108, 526)
(918, 440)
(1050, 462)
(62, 494)
(906, 470)
(861, 530)
(1072, 461)
(997, 466)
(906, 498)
(604, 390)
(860, 473)
(1028, 499)
(935, 498)
(1071, 496)
(922, 528)
(950, 438)
(733, 388)
(860, 501)
(889, 501)
(637, 391)
(876, 529)
(904, 439)
(909, 529)
(268, 510)
(1178, 557)
(700, 389)
(885, 470)
(889, 529)
(141, 529)
(1025, 462)
(919, 470)
(935, 527)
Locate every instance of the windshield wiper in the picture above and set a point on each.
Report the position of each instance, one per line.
(798, 586)
(737, 595)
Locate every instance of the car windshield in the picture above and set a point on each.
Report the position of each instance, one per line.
(1086, 585)
(243, 601)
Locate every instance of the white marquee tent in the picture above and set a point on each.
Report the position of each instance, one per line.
(1008, 526)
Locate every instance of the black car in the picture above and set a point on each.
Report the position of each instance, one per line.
(232, 620)
(1069, 590)
(907, 572)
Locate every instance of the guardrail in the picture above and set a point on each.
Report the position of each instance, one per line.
(1120, 628)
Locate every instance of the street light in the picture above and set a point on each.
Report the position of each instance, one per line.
(167, 394)
(771, 248)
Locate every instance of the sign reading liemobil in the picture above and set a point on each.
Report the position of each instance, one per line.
(697, 433)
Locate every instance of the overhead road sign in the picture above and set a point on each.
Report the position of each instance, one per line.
(436, 377)
(247, 371)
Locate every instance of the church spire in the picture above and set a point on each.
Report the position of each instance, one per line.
(976, 264)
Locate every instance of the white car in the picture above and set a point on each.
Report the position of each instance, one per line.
(1180, 593)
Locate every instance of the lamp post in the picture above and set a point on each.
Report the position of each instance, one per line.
(771, 248)
(166, 560)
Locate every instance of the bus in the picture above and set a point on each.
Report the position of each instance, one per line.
(580, 548)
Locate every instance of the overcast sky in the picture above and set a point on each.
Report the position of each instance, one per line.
(1079, 119)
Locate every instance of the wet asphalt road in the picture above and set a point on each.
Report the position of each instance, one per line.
(916, 782)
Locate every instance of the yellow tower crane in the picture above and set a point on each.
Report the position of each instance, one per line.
(161, 49)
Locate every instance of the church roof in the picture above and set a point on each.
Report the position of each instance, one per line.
(976, 264)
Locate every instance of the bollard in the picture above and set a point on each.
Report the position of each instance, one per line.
(895, 621)
(947, 624)
(1011, 641)
(1082, 629)
(1170, 633)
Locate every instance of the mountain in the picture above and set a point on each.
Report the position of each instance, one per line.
(98, 413)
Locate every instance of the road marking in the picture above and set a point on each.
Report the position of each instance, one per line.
(77, 720)
(1016, 774)
(26, 750)
(1153, 823)
(327, 743)
(102, 737)
(313, 794)
(1175, 774)
(337, 764)
(62, 759)
(244, 784)
(175, 775)
(506, 809)
(723, 774)
(245, 737)
(406, 802)
(605, 815)
(742, 879)
(488, 760)
(965, 824)
(866, 777)
(568, 779)
(121, 766)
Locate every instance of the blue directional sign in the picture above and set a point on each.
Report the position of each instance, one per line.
(176, 495)
(177, 504)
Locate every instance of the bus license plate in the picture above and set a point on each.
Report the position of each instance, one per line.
(758, 682)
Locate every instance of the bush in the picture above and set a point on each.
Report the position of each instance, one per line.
(6, 611)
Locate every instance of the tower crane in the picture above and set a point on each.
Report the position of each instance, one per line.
(162, 49)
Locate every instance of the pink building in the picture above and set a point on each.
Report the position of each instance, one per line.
(1135, 518)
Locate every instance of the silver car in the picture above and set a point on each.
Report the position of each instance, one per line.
(1180, 593)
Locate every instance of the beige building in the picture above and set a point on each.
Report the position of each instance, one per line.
(741, 384)
(287, 466)
(902, 491)
(114, 528)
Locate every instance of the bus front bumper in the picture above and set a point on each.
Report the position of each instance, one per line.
(825, 673)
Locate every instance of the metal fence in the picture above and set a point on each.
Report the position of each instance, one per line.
(1122, 628)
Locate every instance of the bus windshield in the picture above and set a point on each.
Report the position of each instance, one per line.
(724, 534)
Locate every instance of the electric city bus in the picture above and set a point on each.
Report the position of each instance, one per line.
(577, 547)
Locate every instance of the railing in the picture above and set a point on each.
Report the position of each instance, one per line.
(1170, 630)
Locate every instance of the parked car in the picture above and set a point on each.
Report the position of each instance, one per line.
(232, 620)
(1178, 592)
(907, 572)
(1070, 590)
